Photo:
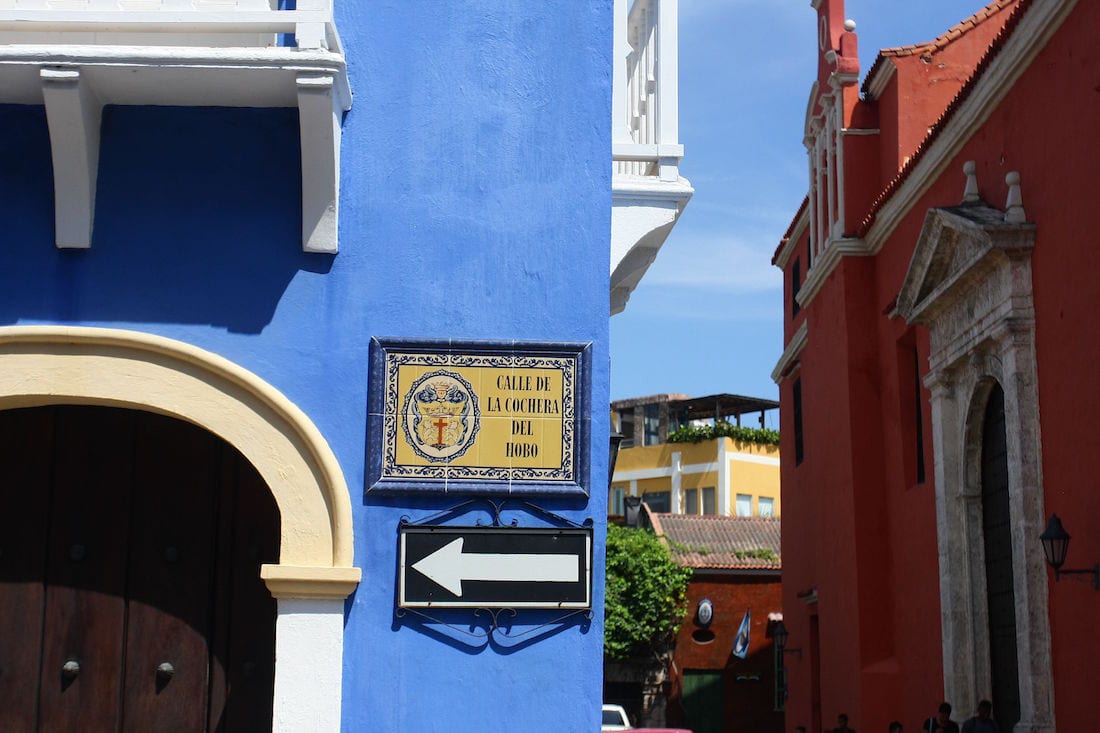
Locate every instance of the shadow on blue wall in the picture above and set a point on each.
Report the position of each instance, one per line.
(505, 631)
(197, 221)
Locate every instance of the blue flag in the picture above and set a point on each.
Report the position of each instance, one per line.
(741, 641)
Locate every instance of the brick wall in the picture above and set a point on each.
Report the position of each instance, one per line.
(748, 685)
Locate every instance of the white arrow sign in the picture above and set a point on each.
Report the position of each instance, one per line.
(449, 566)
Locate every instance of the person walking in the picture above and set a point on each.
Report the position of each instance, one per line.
(842, 724)
(941, 722)
(983, 722)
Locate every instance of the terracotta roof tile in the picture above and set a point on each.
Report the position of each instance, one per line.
(713, 542)
(953, 32)
(930, 47)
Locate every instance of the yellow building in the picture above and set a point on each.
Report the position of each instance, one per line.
(728, 475)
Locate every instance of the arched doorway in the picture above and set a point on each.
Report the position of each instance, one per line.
(999, 573)
(76, 365)
(129, 580)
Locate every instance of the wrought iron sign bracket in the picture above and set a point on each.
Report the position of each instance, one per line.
(495, 631)
(478, 580)
(496, 507)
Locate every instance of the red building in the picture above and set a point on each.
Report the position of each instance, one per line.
(937, 374)
(737, 568)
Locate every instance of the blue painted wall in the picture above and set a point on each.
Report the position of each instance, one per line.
(475, 205)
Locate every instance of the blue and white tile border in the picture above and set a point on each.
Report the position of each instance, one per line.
(385, 475)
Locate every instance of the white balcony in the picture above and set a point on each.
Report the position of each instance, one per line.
(648, 193)
(75, 56)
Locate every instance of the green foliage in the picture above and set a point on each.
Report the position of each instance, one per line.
(762, 553)
(645, 596)
(723, 429)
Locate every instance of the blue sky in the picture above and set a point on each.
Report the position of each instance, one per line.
(707, 316)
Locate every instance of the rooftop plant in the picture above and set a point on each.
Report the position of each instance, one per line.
(723, 429)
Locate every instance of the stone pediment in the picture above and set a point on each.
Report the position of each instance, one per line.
(958, 247)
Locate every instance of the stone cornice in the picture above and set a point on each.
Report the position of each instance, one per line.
(651, 189)
(791, 353)
(825, 263)
(860, 131)
(310, 582)
(797, 230)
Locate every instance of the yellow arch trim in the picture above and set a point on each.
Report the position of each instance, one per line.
(43, 365)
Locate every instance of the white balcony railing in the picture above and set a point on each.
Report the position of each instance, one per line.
(646, 114)
(648, 193)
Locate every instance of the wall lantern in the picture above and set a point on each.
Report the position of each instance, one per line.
(704, 612)
(1055, 541)
(780, 635)
(613, 455)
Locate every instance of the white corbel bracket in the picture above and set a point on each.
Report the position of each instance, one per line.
(73, 115)
(319, 112)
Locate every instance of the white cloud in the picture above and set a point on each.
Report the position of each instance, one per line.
(716, 262)
(768, 215)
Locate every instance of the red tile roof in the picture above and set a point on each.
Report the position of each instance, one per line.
(711, 542)
(930, 47)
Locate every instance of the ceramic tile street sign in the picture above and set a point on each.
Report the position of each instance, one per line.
(477, 417)
(494, 567)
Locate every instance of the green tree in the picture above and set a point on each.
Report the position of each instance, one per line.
(645, 596)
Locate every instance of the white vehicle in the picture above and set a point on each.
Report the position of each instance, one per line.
(614, 718)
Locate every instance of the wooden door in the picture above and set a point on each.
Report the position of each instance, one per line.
(130, 546)
(999, 577)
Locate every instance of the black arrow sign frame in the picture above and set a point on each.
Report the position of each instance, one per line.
(415, 590)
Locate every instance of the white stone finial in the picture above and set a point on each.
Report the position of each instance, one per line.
(1014, 204)
(970, 193)
(849, 25)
